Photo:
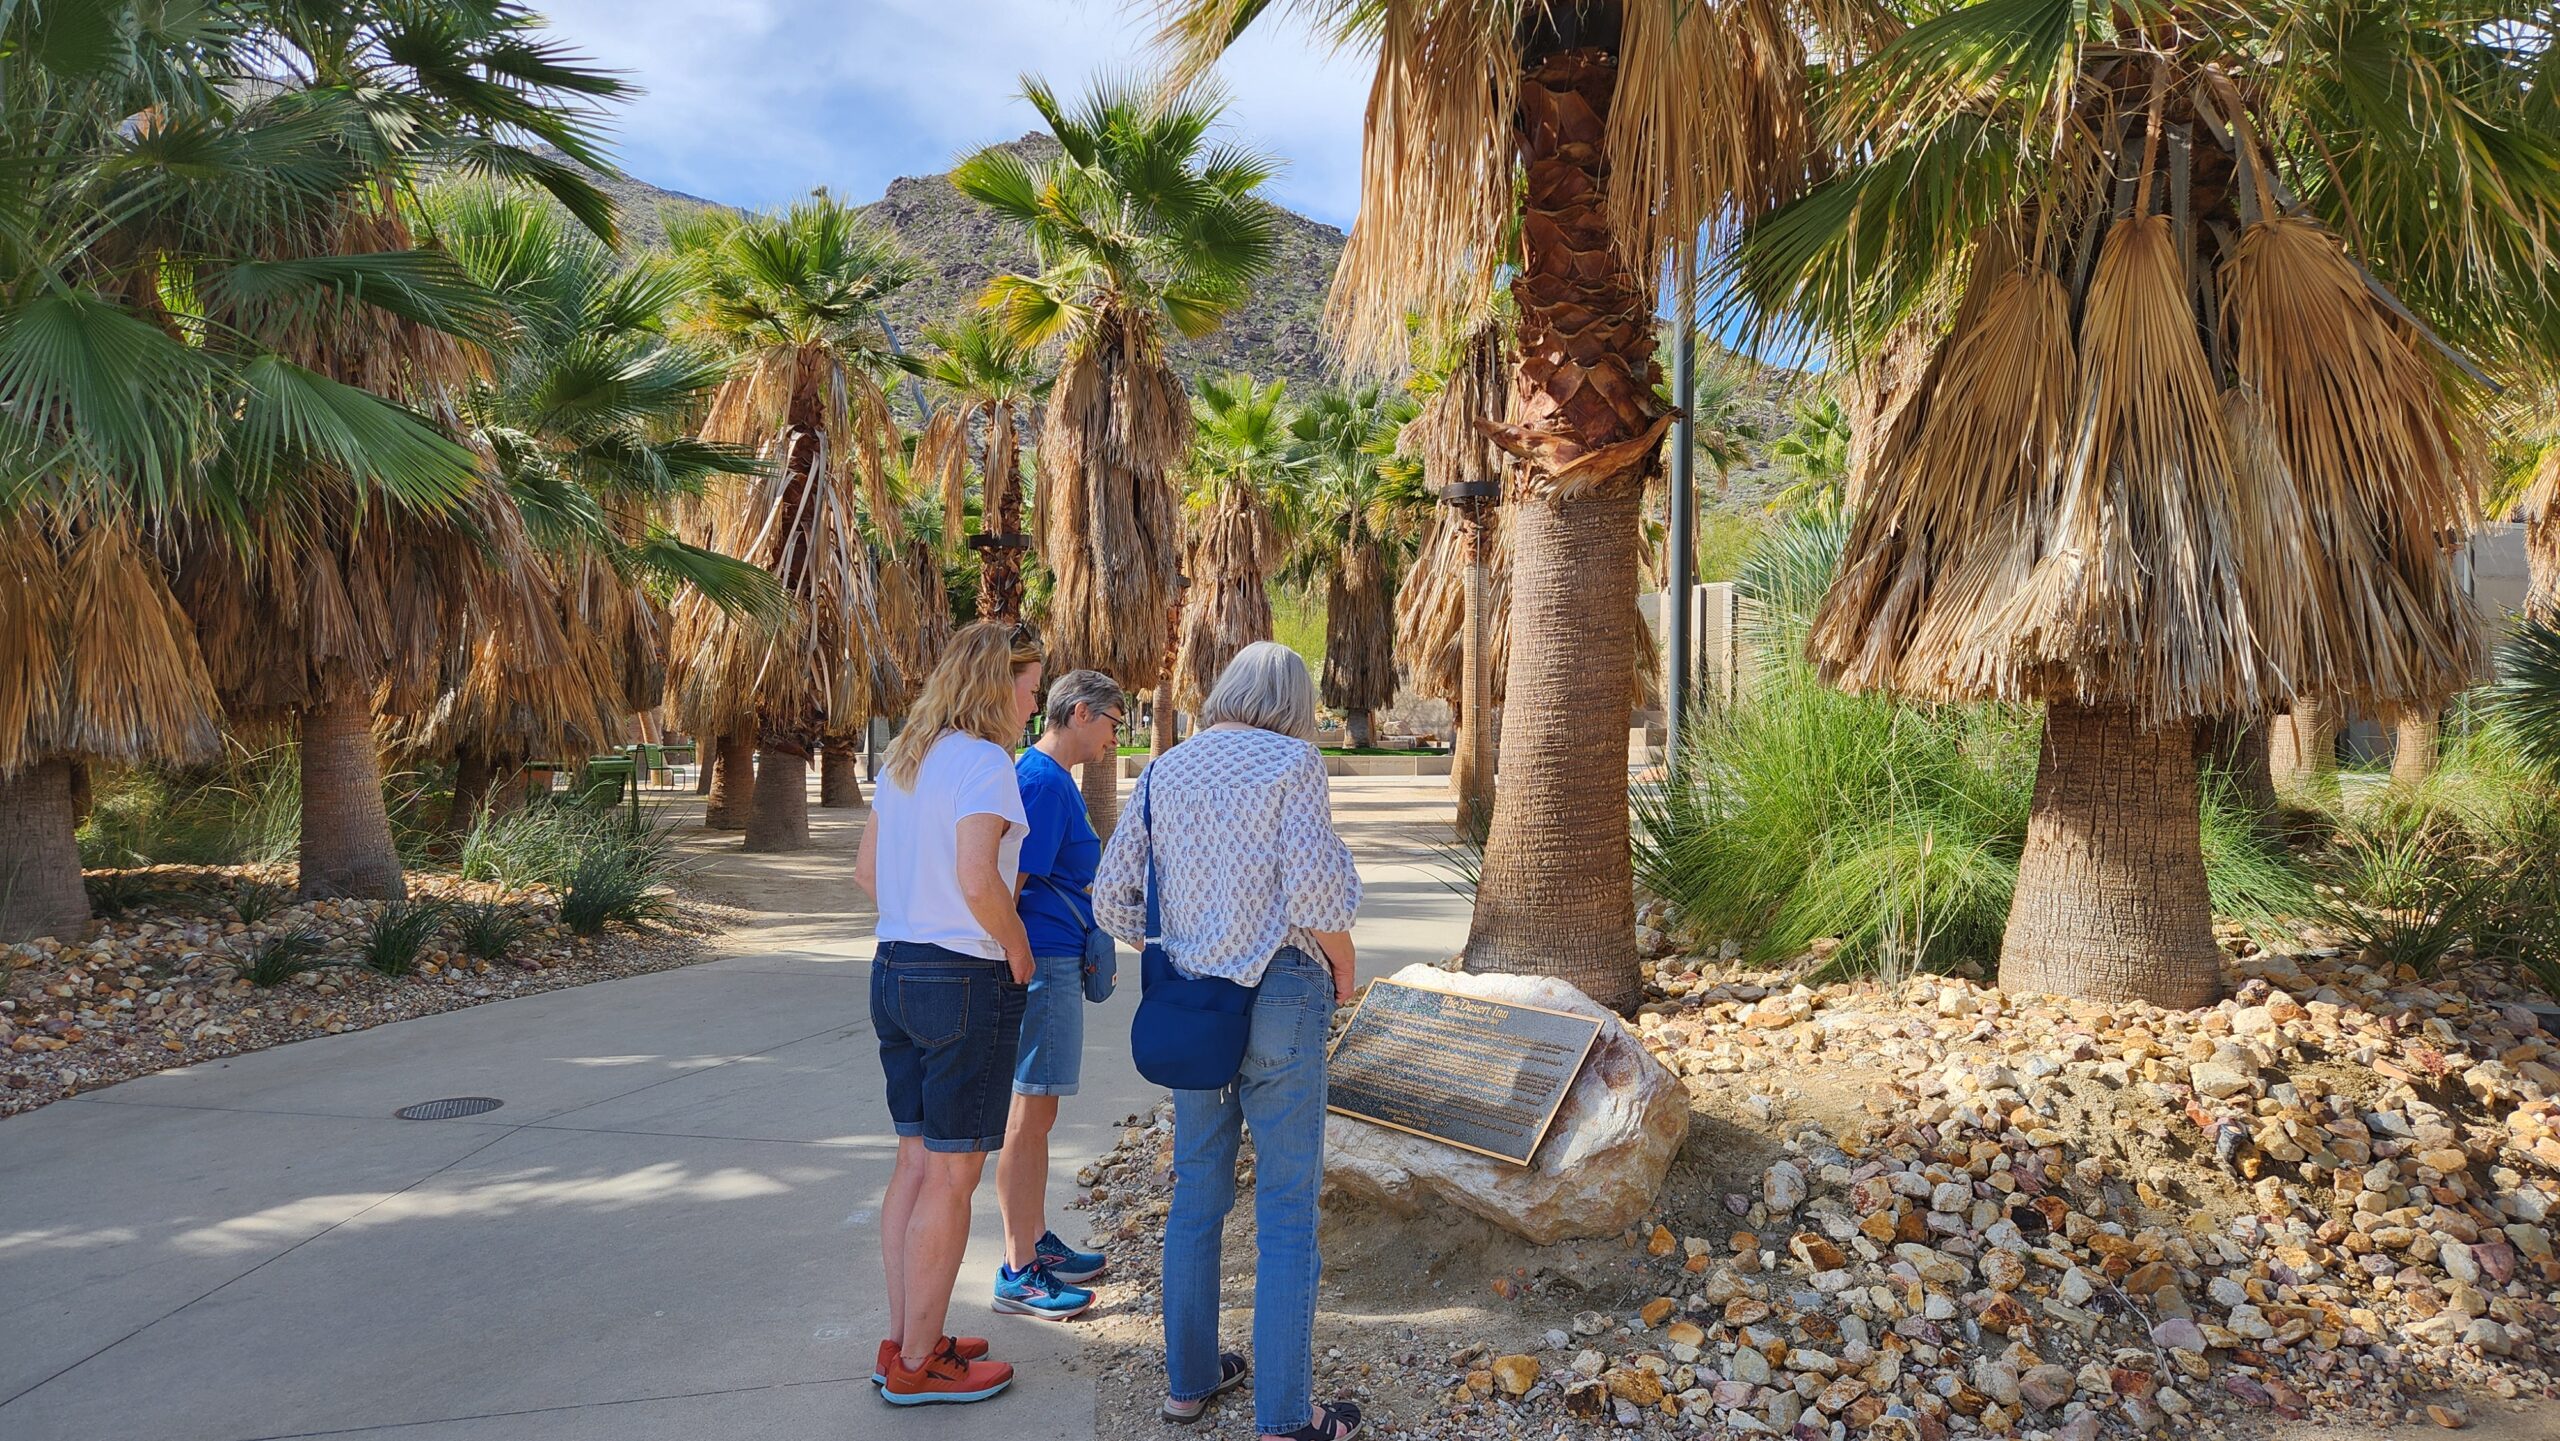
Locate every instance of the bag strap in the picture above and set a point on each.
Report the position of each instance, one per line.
(1147, 818)
(1082, 913)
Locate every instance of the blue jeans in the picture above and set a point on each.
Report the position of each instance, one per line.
(1050, 1057)
(947, 1024)
(1280, 1094)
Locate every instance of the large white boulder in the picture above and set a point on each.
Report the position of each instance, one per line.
(1602, 1161)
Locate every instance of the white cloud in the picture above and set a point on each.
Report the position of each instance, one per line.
(754, 101)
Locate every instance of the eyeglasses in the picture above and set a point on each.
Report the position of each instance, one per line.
(1115, 717)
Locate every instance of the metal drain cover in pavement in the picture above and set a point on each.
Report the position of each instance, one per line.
(449, 1109)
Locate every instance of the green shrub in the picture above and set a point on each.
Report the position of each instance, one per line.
(401, 931)
(616, 878)
(1801, 814)
(280, 958)
(487, 932)
(115, 894)
(2405, 882)
(545, 843)
(253, 901)
(609, 886)
(247, 810)
(2525, 703)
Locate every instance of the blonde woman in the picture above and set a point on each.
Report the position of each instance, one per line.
(1255, 887)
(940, 859)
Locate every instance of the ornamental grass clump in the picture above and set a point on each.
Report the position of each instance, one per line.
(402, 930)
(280, 958)
(486, 931)
(619, 876)
(1802, 814)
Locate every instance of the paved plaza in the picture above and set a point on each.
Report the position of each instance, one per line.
(666, 1233)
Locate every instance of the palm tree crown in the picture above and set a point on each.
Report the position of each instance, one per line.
(1140, 222)
(1239, 460)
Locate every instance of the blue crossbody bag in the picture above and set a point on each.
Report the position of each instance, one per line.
(1190, 1031)
(1101, 957)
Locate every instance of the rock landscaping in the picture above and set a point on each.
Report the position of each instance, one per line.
(1940, 1210)
(169, 983)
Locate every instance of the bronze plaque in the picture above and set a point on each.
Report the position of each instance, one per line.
(1484, 1076)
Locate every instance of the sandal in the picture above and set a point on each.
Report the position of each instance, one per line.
(1231, 1372)
(1335, 1421)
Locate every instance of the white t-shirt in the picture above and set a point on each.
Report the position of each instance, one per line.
(917, 855)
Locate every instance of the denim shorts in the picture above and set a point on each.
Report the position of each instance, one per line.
(947, 1023)
(1051, 1057)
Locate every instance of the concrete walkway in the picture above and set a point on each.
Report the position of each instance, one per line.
(667, 1231)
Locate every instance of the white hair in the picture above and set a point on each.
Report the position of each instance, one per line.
(1091, 689)
(1266, 685)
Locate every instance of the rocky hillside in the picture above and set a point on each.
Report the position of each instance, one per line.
(1278, 333)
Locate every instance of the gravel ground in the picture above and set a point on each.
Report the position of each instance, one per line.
(2321, 1209)
(161, 986)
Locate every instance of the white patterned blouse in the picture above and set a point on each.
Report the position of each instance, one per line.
(1246, 855)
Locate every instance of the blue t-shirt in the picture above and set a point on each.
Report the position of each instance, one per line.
(1063, 848)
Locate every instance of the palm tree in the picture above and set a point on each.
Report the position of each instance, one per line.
(584, 411)
(2539, 509)
(1239, 458)
(322, 594)
(1140, 226)
(1720, 423)
(990, 384)
(1815, 450)
(1603, 132)
(2188, 445)
(1355, 507)
(796, 297)
(1453, 615)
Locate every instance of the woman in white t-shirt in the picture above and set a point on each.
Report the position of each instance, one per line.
(940, 858)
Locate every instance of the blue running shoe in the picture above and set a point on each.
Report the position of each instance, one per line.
(1067, 1263)
(1035, 1292)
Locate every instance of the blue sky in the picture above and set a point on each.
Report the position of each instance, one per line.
(752, 102)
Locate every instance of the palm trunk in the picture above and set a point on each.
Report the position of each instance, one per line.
(40, 889)
(511, 785)
(778, 816)
(706, 763)
(473, 774)
(1000, 565)
(2413, 750)
(2237, 751)
(2302, 751)
(839, 774)
(2111, 902)
(733, 782)
(346, 832)
(1557, 896)
(1360, 728)
(1474, 769)
(1166, 727)
(1100, 781)
(83, 799)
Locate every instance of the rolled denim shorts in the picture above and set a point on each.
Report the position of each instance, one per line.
(1051, 1058)
(948, 1024)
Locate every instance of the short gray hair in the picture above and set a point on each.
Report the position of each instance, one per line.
(1091, 689)
(1266, 685)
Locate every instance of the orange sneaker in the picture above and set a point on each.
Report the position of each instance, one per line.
(971, 1348)
(946, 1378)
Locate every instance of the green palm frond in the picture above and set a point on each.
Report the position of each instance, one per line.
(291, 419)
(734, 586)
(1141, 214)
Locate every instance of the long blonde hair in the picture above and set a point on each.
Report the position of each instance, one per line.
(971, 691)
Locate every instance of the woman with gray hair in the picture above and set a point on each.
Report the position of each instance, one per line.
(1252, 886)
(1040, 1275)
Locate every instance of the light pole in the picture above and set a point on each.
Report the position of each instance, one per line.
(1684, 508)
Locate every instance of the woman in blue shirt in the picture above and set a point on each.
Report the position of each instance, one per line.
(1040, 1273)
